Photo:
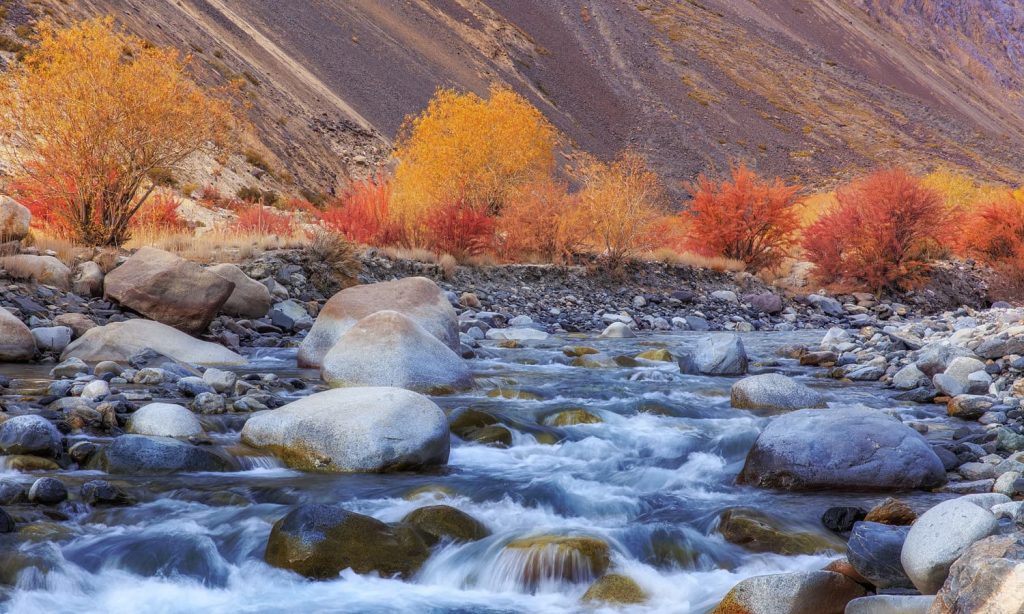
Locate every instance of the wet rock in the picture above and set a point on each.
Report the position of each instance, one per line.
(193, 386)
(32, 435)
(121, 341)
(909, 377)
(614, 589)
(890, 604)
(874, 551)
(145, 455)
(939, 537)
(969, 406)
(417, 298)
(988, 577)
(443, 522)
(16, 341)
(842, 519)
(45, 270)
(6, 522)
(773, 391)
(558, 557)
(719, 354)
(102, 492)
(12, 492)
(27, 463)
(164, 420)
(354, 429)
(220, 381)
(474, 425)
(514, 335)
(51, 338)
(892, 511)
(848, 448)
(14, 219)
(168, 289)
(656, 355)
(69, 368)
(390, 349)
(249, 299)
(821, 592)
(95, 391)
(149, 376)
(47, 491)
(207, 403)
(618, 330)
(82, 451)
(758, 532)
(571, 417)
(319, 541)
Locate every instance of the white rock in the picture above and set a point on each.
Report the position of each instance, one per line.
(939, 537)
(618, 330)
(164, 420)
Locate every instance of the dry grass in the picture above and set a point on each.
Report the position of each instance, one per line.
(217, 245)
(670, 256)
(67, 251)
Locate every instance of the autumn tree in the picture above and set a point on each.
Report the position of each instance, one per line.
(91, 114)
(624, 201)
(467, 148)
(543, 220)
(748, 219)
(993, 232)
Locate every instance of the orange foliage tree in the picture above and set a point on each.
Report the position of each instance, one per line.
(881, 234)
(90, 114)
(624, 202)
(748, 219)
(993, 232)
(542, 220)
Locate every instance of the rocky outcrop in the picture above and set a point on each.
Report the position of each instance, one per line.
(119, 341)
(417, 298)
(773, 391)
(16, 341)
(249, 299)
(168, 289)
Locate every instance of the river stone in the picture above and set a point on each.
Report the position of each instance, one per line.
(939, 537)
(47, 491)
(874, 551)
(935, 357)
(820, 592)
(102, 492)
(848, 448)
(249, 299)
(440, 522)
(908, 378)
(120, 341)
(969, 406)
(892, 511)
(997, 347)
(146, 455)
(7, 524)
(720, 354)
(988, 578)
(890, 604)
(168, 289)
(77, 322)
(614, 589)
(30, 434)
(15, 219)
(564, 558)
(773, 391)
(572, 417)
(618, 330)
(220, 381)
(164, 420)
(389, 349)
(842, 519)
(45, 270)
(52, 338)
(759, 532)
(354, 429)
(96, 390)
(418, 298)
(17, 344)
(87, 279)
(319, 541)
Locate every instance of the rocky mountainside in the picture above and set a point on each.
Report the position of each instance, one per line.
(817, 90)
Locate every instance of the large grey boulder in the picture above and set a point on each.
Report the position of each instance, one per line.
(168, 289)
(119, 341)
(45, 270)
(249, 299)
(935, 357)
(416, 297)
(874, 550)
(164, 420)
(890, 604)
(15, 219)
(353, 430)
(820, 592)
(389, 349)
(773, 391)
(30, 434)
(146, 455)
(52, 338)
(717, 354)
(987, 578)
(939, 537)
(849, 448)
(16, 341)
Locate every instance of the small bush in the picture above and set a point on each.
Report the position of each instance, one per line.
(300, 205)
(460, 229)
(881, 235)
(993, 233)
(256, 159)
(334, 262)
(748, 219)
(256, 195)
(159, 214)
(363, 214)
(263, 221)
(542, 220)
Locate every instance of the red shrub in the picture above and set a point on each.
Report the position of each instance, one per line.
(994, 234)
(300, 205)
(748, 219)
(882, 234)
(261, 220)
(210, 196)
(46, 210)
(460, 229)
(159, 213)
(362, 214)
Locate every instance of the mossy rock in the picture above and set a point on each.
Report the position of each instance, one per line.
(577, 351)
(627, 362)
(318, 541)
(570, 417)
(656, 355)
(509, 344)
(615, 588)
(438, 522)
(435, 491)
(494, 435)
(561, 557)
(513, 393)
(481, 427)
(25, 462)
(672, 549)
(470, 419)
(586, 363)
(759, 532)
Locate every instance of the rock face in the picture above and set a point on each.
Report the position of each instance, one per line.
(144, 455)
(773, 391)
(14, 219)
(939, 537)
(30, 434)
(988, 577)
(354, 429)
(45, 270)
(720, 354)
(168, 289)
(844, 448)
(418, 298)
(118, 341)
(820, 592)
(874, 551)
(249, 299)
(389, 349)
(164, 420)
(319, 541)
(16, 341)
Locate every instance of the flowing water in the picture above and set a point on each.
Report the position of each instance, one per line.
(650, 480)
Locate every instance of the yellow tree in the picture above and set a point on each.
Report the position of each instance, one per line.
(90, 114)
(467, 147)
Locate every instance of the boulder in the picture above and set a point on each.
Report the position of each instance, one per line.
(417, 298)
(987, 578)
(88, 279)
(618, 330)
(774, 391)
(354, 429)
(848, 448)
(15, 219)
(939, 537)
(565, 558)
(874, 551)
(969, 406)
(892, 511)
(572, 417)
(249, 299)
(290, 315)
(102, 492)
(960, 368)
(164, 420)
(168, 289)
(840, 519)
(52, 338)
(909, 377)
(319, 541)
(16, 341)
(759, 532)
(47, 491)
(614, 589)
(766, 302)
(720, 354)
(145, 455)
(890, 604)
(388, 348)
(444, 522)
(820, 592)
(77, 322)
(45, 270)
(119, 341)
(30, 434)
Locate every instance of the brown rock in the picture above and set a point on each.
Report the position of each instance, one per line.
(77, 322)
(843, 566)
(988, 578)
(14, 219)
(892, 511)
(16, 341)
(817, 592)
(249, 299)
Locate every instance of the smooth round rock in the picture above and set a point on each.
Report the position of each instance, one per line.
(939, 537)
(164, 420)
(47, 491)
